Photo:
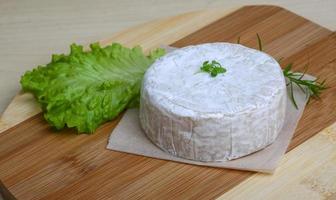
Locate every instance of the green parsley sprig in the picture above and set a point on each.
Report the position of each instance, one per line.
(213, 68)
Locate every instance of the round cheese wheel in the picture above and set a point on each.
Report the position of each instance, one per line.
(190, 114)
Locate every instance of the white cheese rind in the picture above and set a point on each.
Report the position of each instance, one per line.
(194, 116)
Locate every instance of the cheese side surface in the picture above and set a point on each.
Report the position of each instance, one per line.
(192, 115)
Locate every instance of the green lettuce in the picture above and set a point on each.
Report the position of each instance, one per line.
(84, 89)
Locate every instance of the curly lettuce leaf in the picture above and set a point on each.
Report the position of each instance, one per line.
(84, 89)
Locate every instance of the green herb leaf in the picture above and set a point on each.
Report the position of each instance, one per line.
(292, 95)
(313, 87)
(259, 43)
(214, 68)
(87, 88)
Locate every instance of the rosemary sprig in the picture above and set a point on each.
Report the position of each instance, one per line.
(313, 88)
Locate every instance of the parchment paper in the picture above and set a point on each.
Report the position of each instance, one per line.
(129, 137)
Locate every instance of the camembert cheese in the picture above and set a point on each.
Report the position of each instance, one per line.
(195, 116)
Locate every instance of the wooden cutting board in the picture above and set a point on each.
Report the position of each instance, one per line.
(36, 163)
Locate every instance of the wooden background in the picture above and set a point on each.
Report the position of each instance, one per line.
(30, 31)
(37, 163)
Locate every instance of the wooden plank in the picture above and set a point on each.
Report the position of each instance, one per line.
(281, 31)
(37, 163)
(307, 172)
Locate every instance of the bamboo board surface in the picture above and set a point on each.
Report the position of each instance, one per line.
(36, 163)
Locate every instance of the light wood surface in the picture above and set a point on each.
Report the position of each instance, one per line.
(36, 162)
(306, 172)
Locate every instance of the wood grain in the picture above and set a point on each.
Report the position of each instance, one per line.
(299, 176)
(37, 163)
